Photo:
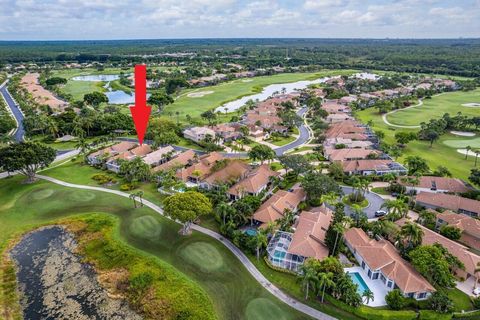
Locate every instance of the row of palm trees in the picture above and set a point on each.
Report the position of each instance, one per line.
(476, 151)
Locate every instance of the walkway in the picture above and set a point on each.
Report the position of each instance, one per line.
(19, 133)
(237, 252)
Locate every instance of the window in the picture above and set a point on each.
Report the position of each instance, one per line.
(411, 294)
(422, 295)
(370, 274)
(389, 284)
(363, 264)
(375, 276)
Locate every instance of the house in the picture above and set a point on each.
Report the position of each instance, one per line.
(470, 227)
(274, 208)
(458, 204)
(200, 169)
(228, 132)
(348, 143)
(350, 154)
(334, 107)
(369, 167)
(254, 183)
(347, 99)
(437, 185)
(345, 127)
(159, 156)
(337, 117)
(383, 263)
(469, 259)
(257, 133)
(198, 134)
(96, 157)
(230, 173)
(180, 161)
(290, 250)
(140, 151)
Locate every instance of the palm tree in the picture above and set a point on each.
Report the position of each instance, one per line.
(133, 197)
(357, 213)
(308, 277)
(88, 124)
(223, 210)
(140, 195)
(477, 152)
(340, 228)
(325, 280)
(368, 295)
(467, 149)
(396, 208)
(52, 127)
(412, 233)
(82, 145)
(330, 198)
(261, 241)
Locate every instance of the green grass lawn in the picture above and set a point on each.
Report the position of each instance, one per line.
(281, 141)
(235, 89)
(440, 154)
(235, 294)
(450, 102)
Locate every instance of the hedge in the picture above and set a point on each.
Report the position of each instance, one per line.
(467, 315)
(432, 315)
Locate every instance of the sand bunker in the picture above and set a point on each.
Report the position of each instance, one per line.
(464, 151)
(40, 94)
(471, 105)
(463, 133)
(247, 80)
(199, 94)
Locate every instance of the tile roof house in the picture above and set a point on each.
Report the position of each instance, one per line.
(233, 171)
(382, 263)
(180, 161)
(198, 134)
(437, 185)
(337, 117)
(368, 167)
(469, 226)
(254, 183)
(274, 208)
(95, 157)
(334, 107)
(469, 259)
(466, 206)
(159, 156)
(140, 151)
(349, 154)
(290, 250)
(348, 143)
(199, 169)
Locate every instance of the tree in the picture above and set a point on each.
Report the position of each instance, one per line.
(412, 233)
(432, 136)
(368, 295)
(317, 184)
(451, 232)
(186, 207)
(416, 164)
(436, 264)
(95, 98)
(261, 241)
(296, 162)
(395, 300)
(467, 149)
(404, 137)
(396, 208)
(261, 152)
(308, 277)
(325, 280)
(224, 211)
(160, 99)
(442, 171)
(134, 170)
(209, 115)
(164, 138)
(26, 158)
(440, 302)
(474, 176)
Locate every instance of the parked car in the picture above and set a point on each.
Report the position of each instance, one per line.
(380, 213)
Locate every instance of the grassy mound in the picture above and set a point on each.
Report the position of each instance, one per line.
(203, 255)
(263, 309)
(146, 227)
(42, 194)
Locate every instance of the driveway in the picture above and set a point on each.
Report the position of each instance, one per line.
(375, 201)
(17, 113)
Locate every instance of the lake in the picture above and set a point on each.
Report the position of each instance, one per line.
(97, 78)
(269, 91)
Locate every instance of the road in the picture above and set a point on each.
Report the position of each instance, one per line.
(375, 201)
(17, 113)
(299, 306)
(303, 137)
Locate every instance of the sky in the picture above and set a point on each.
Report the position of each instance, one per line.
(158, 19)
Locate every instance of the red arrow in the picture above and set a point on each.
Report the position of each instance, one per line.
(140, 111)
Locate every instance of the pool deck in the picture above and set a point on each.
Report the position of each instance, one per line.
(376, 286)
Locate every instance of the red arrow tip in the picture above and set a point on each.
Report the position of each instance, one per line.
(140, 111)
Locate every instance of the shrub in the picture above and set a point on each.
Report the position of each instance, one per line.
(102, 178)
(440, 302)
(127, 187)
(395, 300)
(476, 303)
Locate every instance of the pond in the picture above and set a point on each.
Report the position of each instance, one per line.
(269, 91)
(97, 77)
(54, 283)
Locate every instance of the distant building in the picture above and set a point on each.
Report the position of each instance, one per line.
(466, 206)
(97, 156)
(140, 151)
(470, 227)
(437, 185)
(198, 134)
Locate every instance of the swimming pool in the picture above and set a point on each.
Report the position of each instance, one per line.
(357, 279)
(251, 232)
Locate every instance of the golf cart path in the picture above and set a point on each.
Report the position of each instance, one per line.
(419, 104)
(299, 306)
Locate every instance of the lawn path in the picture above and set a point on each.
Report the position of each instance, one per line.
(419, 104)
(236, 251)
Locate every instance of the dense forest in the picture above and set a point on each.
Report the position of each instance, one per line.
(444, 56)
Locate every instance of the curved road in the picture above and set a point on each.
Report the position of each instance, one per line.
(374, 202)
(303, 137)
(19, 133)
(237, 252)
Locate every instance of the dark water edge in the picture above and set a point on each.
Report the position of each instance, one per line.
(55, 284)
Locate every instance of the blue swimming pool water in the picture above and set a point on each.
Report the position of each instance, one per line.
(279, 254)
(251, 232)
(357, 279)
